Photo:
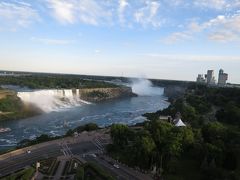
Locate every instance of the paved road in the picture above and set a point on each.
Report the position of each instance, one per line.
(121, 173)
(82, 146)
(118, 173)
(16, 162)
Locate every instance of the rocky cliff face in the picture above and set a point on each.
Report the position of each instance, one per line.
(101, 94)
(174, 91)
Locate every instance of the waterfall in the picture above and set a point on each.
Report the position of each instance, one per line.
(53, 100)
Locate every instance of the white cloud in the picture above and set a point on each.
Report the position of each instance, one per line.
(121, 10)
(52, 41)
(221, 29)
(215, 4)
(224, 36)
(18, 14)
(176, 2)
(148, 14)
(194, 58)
(195, 27)
(86, 11)
(63, 11)
(176, 37)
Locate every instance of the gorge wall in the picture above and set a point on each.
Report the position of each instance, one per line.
(57, 99)
(101, 94)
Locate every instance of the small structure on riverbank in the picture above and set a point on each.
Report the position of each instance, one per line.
(177, 121)
(180, 123)
(165, 118)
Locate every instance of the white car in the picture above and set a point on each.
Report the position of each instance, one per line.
(28, 151)
(93, 155)
(116, 166)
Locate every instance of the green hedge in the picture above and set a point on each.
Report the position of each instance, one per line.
(25, 174)
(80, 175)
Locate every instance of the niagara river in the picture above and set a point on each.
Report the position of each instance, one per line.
(58, 118)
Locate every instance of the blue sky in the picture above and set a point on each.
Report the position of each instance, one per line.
(164, 39)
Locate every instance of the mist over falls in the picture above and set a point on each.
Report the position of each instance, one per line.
(144, 87)
(52, 100)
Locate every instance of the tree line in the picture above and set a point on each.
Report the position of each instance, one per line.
(208, 148)
(53, 81)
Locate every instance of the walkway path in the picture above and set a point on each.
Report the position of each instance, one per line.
(63, 160)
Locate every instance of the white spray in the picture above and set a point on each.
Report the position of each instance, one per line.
(144, 87)
(52, 100)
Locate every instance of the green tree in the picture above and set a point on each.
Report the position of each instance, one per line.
(120, 134)
(144, 149)
(168, 143)
(214, 132)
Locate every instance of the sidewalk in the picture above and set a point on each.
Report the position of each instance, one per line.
(61, 166)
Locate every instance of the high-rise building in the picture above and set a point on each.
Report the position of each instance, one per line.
(210, 77)
(201, 79)
(222, 78)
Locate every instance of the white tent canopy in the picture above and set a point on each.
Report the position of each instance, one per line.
(180, 123)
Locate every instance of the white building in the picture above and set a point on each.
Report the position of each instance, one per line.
(201, 79)
(210, 77)
(222, 78)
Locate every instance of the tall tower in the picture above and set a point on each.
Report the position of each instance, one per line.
(210, 77)
(222, 78)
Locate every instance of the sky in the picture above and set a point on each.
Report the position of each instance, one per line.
(162, 39)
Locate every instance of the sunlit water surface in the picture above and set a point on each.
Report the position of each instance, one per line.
(127, 110)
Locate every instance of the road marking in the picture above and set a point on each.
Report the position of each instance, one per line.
(66, 150)
(96, 145)
(63, 152)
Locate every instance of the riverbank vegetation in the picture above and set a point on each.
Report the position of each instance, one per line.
(40, 139)
(11, 107)
(87, 127)
(207, 148)
(45, 137)
(45, 81)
